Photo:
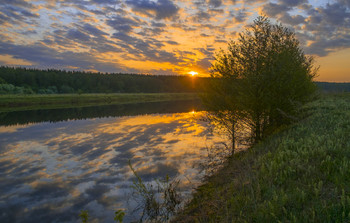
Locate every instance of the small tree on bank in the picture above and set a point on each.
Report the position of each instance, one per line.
(260, 82)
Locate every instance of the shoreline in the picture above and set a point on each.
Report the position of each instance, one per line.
(52, 101)
(299, 174)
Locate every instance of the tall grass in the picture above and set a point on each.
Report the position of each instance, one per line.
(301, 174)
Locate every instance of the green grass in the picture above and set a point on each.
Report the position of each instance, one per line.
(301, 174)
(29, 102)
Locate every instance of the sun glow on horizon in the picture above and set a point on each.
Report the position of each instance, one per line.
(193, 73)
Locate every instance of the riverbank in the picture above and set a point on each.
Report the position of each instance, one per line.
(51, 101)
(301, 174)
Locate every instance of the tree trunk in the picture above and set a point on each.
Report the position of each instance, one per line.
(257, 129)
(233, 137)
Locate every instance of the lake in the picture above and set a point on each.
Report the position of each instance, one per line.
(54, 163)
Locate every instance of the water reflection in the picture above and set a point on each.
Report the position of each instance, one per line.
(51, 171)
(64, 114)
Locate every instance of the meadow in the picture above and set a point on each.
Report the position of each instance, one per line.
(300, 174)
(13, 102)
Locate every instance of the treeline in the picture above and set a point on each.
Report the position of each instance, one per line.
(333, 87)
(51, 81)
(27, 81)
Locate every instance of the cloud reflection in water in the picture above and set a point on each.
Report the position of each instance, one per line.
(51, 171)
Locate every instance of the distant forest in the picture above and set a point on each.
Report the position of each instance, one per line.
(35, 81)
(27, 81)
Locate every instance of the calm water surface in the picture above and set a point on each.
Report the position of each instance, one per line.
(54, 163)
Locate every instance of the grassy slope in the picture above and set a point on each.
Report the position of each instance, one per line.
(301, 174)
(27, 102)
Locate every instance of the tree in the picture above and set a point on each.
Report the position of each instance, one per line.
(260, 82)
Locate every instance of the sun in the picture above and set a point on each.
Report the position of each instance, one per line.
(193, 73)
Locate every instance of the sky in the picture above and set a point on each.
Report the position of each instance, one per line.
(162, 36)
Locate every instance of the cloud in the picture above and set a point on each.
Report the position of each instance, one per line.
(158, 24)
(286, 18)
(344, 2)
(16, 15)
(93, 30)
(106, 34)
(239, 16)
(336, 14)
(322, 46)
(201, 16)
(148, 49)
(45, 57)
(21, 3)
(292, 3)
(122, 24)
(272, 9)
(322, 29)
(328, 27)
(111, 2)
(205, 63)
(215, 3)
(161, 9)
(76, 34)
(172, 42)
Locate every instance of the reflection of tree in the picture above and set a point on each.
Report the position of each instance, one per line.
(158, 202)
(56, 115)
(260, 82)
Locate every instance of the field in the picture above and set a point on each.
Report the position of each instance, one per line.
(300, 174)
(28, 102)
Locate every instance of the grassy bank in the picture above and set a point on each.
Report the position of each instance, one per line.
(301, 174)
(29, 102)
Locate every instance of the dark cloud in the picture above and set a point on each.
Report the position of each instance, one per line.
(205, 63)
(163, 9)
(105, 10)
(76, 34)
(325, 26)
(172, 42)
(21, 3)
(145, 48)
(29, 32)
(45, 57)
(89, 36)
(283, 6)
(208, 50)
(216, 11)
(125, 37)
(293, 3)
(292, 20)
(151, 32)
(16, 15)
(201, 16)
(158, 24)
(272, 9)
(111, 2)
(215, 3)
(152, 172)
(336, 14)
(239, 16)
(324, 46)
(344, 2)
(3, 19)
(93, 30)
(328, 26)
(122, 24)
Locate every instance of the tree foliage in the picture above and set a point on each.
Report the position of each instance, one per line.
(260, 82)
